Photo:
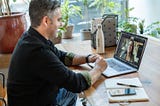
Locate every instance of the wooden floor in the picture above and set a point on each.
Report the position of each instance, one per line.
(4, 64)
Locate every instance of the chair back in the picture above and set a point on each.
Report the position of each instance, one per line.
(2, 90)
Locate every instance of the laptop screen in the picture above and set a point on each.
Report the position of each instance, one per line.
(130, 49)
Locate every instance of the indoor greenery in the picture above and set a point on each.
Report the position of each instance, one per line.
(86, 13)
(129, 24)
(68, 10)
(153, 29)
(141, 26)
(105, 6)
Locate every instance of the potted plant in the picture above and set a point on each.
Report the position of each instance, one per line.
(12, 25)
(86, 31)
(58, 38)
(153, 29)
(68, 10)
(141, 26)
(130, 23)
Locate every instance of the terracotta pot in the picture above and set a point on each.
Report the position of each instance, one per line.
(56, 40)
(11, 28)
(68, 33)
(85, 34)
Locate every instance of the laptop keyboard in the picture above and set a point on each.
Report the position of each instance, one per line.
(115, 65)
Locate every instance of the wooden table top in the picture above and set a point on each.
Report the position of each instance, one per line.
(149, 73)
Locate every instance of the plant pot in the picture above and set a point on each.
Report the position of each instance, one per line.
(85, 34)
(56, 40)
(11, 28)
(68, 33)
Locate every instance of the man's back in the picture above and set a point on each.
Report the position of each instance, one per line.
(24, 82)
(37, 72)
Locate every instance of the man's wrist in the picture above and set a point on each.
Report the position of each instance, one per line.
(87, 58)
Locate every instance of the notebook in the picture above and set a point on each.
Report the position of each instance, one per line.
(140, 95)
(128, 55)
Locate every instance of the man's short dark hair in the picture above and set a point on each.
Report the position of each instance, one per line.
(40, 8)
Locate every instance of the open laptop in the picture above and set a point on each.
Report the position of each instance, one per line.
(128, 55)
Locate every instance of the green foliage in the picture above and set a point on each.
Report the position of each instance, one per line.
(153, 29)
(68, 10)
(86, 13)
(129, 25)
(100, 4)
(104, 5)
(141, 26)
(127, 10)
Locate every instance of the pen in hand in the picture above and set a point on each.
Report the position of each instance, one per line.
(129, 85)
(90, 65)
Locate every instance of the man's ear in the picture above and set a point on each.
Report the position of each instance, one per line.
(45, 21)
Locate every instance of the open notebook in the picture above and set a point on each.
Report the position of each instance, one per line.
(128, 55)
(140, 92)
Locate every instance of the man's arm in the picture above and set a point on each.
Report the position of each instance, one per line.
(100, 66)
(93, 75)
(82, 59)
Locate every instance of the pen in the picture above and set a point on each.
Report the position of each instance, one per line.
(129, 85)
(90, 65)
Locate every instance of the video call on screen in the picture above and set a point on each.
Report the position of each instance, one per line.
(130, 49)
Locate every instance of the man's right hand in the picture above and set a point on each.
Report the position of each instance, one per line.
(101, 64)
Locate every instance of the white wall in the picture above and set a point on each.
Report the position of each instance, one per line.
(146, 9)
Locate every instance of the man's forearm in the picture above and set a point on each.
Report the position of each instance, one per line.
(79, 59)
(95, 73)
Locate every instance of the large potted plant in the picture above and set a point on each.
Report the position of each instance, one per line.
(68, 10)
(12, 25)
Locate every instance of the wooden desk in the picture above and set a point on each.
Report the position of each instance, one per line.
(149, 73)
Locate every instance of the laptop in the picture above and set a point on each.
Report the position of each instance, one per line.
(128, 55)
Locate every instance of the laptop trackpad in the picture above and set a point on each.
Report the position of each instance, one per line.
(110, 72)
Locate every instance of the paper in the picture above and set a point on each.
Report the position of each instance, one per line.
(140, 92)
(112, 83)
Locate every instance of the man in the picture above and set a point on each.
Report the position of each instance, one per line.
(38, 75)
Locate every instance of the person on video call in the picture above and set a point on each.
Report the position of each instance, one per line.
(128, 53)
(38, 75)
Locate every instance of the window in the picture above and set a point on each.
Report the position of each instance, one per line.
(115, 7)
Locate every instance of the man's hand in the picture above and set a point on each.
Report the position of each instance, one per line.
(100, 64)
(92, 58)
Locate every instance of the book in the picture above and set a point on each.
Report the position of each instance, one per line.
(120, 83)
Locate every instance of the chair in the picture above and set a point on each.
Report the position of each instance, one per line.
(2, 90)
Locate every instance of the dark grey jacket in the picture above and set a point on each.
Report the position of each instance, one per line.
(37, 71)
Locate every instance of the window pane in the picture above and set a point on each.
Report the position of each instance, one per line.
(114, 7)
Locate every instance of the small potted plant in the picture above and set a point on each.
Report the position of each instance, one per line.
(141, 26)
(130, 23)
(58, 38)
(68, 10)
(12, 25)
(85, 32)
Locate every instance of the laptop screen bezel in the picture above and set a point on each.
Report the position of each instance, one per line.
(124, 34)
